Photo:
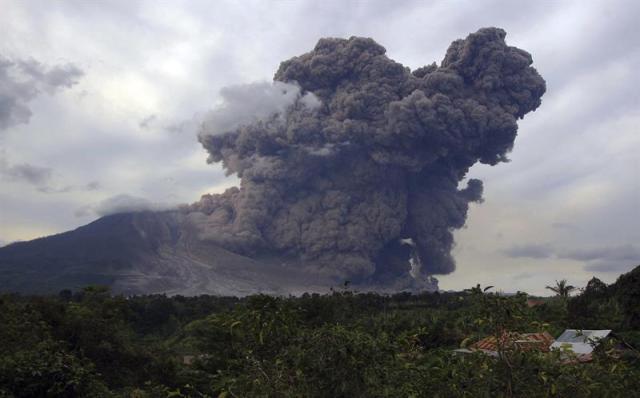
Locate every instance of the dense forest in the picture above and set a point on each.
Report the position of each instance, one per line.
(346, 344)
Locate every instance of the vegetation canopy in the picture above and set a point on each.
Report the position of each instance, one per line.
(346, 344)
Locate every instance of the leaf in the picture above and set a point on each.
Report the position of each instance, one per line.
(233, 325)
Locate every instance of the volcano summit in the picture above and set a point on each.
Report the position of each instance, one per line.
(350, 165)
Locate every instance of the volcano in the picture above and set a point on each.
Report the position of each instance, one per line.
(351, 166)
(151, 252)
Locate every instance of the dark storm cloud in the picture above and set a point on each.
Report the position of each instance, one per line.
(38, 176)
(147, 121)
(23, 80)
(616, 258)
(612, 266)
(606, 259)
(374, 155)
(35, 175)
(92, 186)
(523, 275)
(529, 251)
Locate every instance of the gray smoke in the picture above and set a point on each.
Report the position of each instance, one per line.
(354, 154)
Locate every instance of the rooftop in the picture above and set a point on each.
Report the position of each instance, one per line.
(523, 341)
(580, 341)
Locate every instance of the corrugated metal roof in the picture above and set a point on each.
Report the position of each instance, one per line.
(580, 341)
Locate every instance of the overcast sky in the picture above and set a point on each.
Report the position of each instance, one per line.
(99, 103)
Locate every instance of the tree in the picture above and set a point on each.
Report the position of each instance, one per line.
(561, 288)
(596, 307)
(627, 289)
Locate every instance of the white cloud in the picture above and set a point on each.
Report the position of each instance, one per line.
(122, 203)
(248, 103)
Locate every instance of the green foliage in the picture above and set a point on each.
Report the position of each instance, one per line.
(34, 364)
(627, 291)
(92, 344)
(595, 308)
(562, 289)
(47, 369)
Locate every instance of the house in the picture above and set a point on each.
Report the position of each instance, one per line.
(534, 302)
(580, 342)
(511, 340)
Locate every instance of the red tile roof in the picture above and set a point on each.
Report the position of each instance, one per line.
(522, 341)
(534, 302)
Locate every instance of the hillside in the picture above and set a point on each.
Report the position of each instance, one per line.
(146, 252)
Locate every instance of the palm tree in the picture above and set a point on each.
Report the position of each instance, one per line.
(561, 288)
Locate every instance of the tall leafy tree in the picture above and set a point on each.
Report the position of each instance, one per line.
(561, 288)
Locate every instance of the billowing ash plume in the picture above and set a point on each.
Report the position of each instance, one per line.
(354, 167)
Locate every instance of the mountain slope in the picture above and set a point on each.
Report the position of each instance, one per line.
(147, 252)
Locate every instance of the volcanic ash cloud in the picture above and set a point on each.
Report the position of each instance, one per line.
(350, 162)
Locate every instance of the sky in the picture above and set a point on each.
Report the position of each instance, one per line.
(100, 103)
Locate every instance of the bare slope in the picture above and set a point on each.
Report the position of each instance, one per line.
(148, 252)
